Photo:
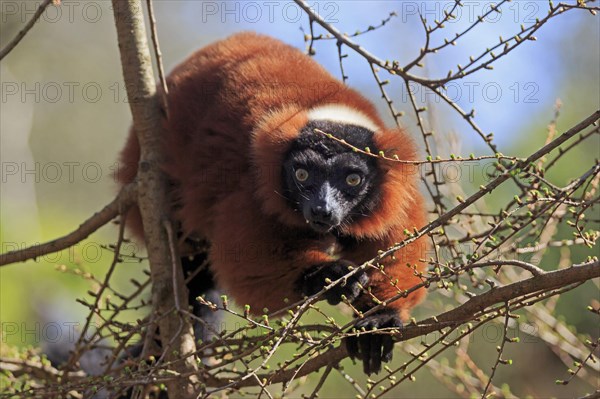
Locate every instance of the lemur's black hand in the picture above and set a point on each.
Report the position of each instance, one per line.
(313, 281)
(372, 349)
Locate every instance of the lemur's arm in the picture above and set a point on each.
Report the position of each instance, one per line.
(399, 273)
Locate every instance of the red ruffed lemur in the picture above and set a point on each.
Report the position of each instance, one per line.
(282, 206)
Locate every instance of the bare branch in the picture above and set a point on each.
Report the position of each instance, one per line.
(13, 43)
(161, 72)
(460, 315)
(124, 199)
(175, 329)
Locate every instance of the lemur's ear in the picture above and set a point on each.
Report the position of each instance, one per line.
(271, 140)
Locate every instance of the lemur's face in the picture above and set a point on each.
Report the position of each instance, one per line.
(328, 182)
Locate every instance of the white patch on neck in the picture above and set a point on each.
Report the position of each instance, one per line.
(343, 114)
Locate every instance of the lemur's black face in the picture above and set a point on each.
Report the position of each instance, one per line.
(327, 181)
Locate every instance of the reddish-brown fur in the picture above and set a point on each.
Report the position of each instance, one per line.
(235, 107)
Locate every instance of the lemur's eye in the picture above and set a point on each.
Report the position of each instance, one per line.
(353, 179)
(301, 174)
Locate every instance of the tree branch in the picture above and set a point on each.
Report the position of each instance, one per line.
(13, 43)
(124, 199)
(468, 311)
(175, 330)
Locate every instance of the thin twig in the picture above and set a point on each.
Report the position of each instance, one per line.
(13, 43)
(164, 94)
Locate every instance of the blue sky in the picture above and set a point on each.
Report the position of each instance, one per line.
(524, 84)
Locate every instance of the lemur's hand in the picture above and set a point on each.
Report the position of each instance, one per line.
(314, 280)
(373, 348)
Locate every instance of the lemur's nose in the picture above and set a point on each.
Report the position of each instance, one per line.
(321, 213)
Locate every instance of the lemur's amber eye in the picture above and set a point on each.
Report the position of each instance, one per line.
(301, 174)
(353, 179)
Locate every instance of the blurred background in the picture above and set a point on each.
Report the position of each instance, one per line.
(64, 117)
